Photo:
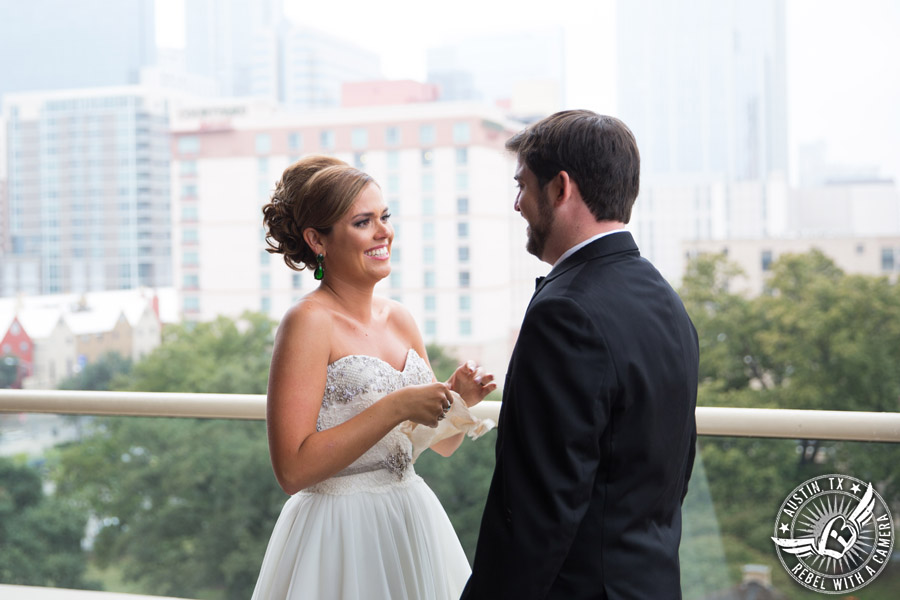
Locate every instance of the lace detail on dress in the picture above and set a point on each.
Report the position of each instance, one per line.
(356, 382)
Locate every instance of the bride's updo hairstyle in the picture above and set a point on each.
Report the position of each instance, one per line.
(316, 191)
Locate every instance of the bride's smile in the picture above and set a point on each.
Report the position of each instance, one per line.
(359, 246)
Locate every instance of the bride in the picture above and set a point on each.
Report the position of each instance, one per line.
(348, 368)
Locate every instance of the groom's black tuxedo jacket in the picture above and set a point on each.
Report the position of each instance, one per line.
(596, 437)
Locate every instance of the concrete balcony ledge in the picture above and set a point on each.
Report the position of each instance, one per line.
(27, 592)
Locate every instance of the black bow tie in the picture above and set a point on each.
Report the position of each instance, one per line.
(537, 282)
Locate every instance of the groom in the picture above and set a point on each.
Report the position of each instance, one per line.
(596, 435)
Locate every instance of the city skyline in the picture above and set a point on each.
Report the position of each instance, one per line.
(838, 60)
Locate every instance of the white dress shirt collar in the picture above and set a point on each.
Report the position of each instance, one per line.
(581, 245)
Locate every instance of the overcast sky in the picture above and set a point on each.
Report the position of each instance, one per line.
(843, 57)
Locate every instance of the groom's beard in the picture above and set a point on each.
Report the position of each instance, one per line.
(539, 229)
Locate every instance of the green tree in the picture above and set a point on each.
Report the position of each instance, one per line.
(9, 371)
(187, 505)
(817, 339)
(40, 536)
(99, 374)
(223, 356)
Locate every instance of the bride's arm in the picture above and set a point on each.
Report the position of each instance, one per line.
(302, 456)
(472, 384)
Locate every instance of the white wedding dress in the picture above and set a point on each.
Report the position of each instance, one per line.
(374, 531)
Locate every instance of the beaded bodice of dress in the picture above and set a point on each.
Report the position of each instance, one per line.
(356, 382)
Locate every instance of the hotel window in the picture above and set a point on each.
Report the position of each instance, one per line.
(188, 145)
(461, 133)
(326, 139)
(465, 302)
(428, 279)
(427, 205)
(462, 181)
(295, 141)
(393, 159)
(463, 253)
(296, 281)
(263, 143)
(465, 327)
(188, 167)
(428, 255)
(191, 281)
(887, 259)
(427, 135)
(190, 259)
(262, 165)
(189, 236)
(462, 205)
(396, 279)
(264, 258)
(430, 302)
(396, 253)
(462, 230)
(428, 231)
(427, 182)
(430, 327)
(393, 184)
(265, 281)
(359, 138)
(393, 206)
(189, 212)
(462, 156)
(189, 190)
(265, 304)
(392, 136)
(191, 303)
(359, 160)
(463, 279)
(766, 260)
(427, 158)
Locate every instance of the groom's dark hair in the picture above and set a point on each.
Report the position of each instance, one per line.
(598, 152)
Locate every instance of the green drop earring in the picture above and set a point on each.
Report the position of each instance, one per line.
(319, 273)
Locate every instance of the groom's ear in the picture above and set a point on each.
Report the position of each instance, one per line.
(561, 188)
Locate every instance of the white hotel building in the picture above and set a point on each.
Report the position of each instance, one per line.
(459, 260)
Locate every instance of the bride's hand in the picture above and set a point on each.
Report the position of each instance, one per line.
(425, 404)
(472, 383)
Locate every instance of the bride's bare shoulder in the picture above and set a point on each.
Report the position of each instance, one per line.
(401, 320)
(310, 315)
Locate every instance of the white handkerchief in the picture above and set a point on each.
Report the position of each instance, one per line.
(457, 420)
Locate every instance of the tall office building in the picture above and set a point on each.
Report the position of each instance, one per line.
(458, 260)
(219, 39)
(703, 87)
(48, 44)
(524, 71)
(250, 49)
(88, 191)
(305, 68)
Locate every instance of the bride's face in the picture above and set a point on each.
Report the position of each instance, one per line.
(360, 243)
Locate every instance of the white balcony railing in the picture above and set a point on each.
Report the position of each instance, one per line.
(744, 422)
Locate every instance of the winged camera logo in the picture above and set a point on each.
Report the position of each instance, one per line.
(834, 534)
